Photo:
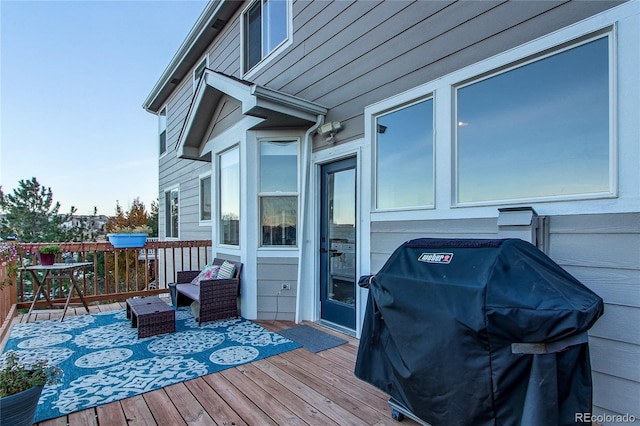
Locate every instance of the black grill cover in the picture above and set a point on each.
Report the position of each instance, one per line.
(441, 319)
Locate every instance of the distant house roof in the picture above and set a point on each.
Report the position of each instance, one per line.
(275, 109)
(215, 16)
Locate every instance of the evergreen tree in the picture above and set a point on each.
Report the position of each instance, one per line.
(84, 228)
(31, 214)
(135, 217)
(153, 219)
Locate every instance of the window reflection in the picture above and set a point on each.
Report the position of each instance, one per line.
(404, 168)
(538, 130)
(229, 190)
(265, 25)
(205, 198)
(171, 213)
(278, 192)
(279, 219)
(278, 166)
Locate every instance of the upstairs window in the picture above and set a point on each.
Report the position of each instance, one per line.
(197, 73)
(265, 29)
(162, 130)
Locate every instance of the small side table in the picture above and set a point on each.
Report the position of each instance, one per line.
(64, 269)
(151, 316)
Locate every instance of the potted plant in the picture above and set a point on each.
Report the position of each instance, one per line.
(48, 254)
(129, 236)
(20, 388)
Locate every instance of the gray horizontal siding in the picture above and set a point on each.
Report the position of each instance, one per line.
(174, 171)
(228, 112)
(603, 252)
(224, 54)
(347, 55)
(272, 272)
(626, 355)
(387, 236)
(617, 395)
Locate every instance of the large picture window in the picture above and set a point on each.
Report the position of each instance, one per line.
(538, 130)
(265, 28)
(278, 193)
(229, 190)
(171, 213)
(404, 153)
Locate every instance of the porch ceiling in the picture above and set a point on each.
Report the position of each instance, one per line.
(275, 109)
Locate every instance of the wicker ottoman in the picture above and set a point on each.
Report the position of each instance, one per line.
(151, 316)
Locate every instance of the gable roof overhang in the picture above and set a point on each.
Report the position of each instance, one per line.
(209, 24)
(274, 109)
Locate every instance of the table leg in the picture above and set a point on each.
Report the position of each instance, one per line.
(74, 285)
(40, 284)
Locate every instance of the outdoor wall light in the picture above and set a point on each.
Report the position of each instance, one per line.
(330, 129)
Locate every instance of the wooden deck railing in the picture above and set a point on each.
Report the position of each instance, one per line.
(7, 301)
(115, 274)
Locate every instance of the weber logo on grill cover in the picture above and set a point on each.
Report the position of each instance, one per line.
(443, 258)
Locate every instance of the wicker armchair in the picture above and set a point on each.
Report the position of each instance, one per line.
(218, 299)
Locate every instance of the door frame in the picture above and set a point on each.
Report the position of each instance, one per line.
(331, 310)
(361, 152)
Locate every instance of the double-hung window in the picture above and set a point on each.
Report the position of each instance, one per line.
(162, 130)
(278, 192)
(171, 213)
(266, 27)
(229, 193)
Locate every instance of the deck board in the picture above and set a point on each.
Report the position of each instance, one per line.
(162, 407)
(293, 388)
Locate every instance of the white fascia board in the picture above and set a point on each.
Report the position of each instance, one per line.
(235, 89)
(287, 104)
(210, 12)
(182, 150)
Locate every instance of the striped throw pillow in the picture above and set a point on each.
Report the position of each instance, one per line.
(226, 270)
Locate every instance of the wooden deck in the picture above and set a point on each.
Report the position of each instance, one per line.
(293, 388)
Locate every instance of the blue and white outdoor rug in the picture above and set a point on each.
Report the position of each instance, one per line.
(103, 360)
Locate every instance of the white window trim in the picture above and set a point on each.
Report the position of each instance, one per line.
(612, 192)
(168, 190)
(624, 20)
(247, 74)
(205, 222)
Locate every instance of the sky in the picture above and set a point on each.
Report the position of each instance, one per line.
(73, 78)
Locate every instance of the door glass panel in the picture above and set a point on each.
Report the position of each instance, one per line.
(341, 193)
